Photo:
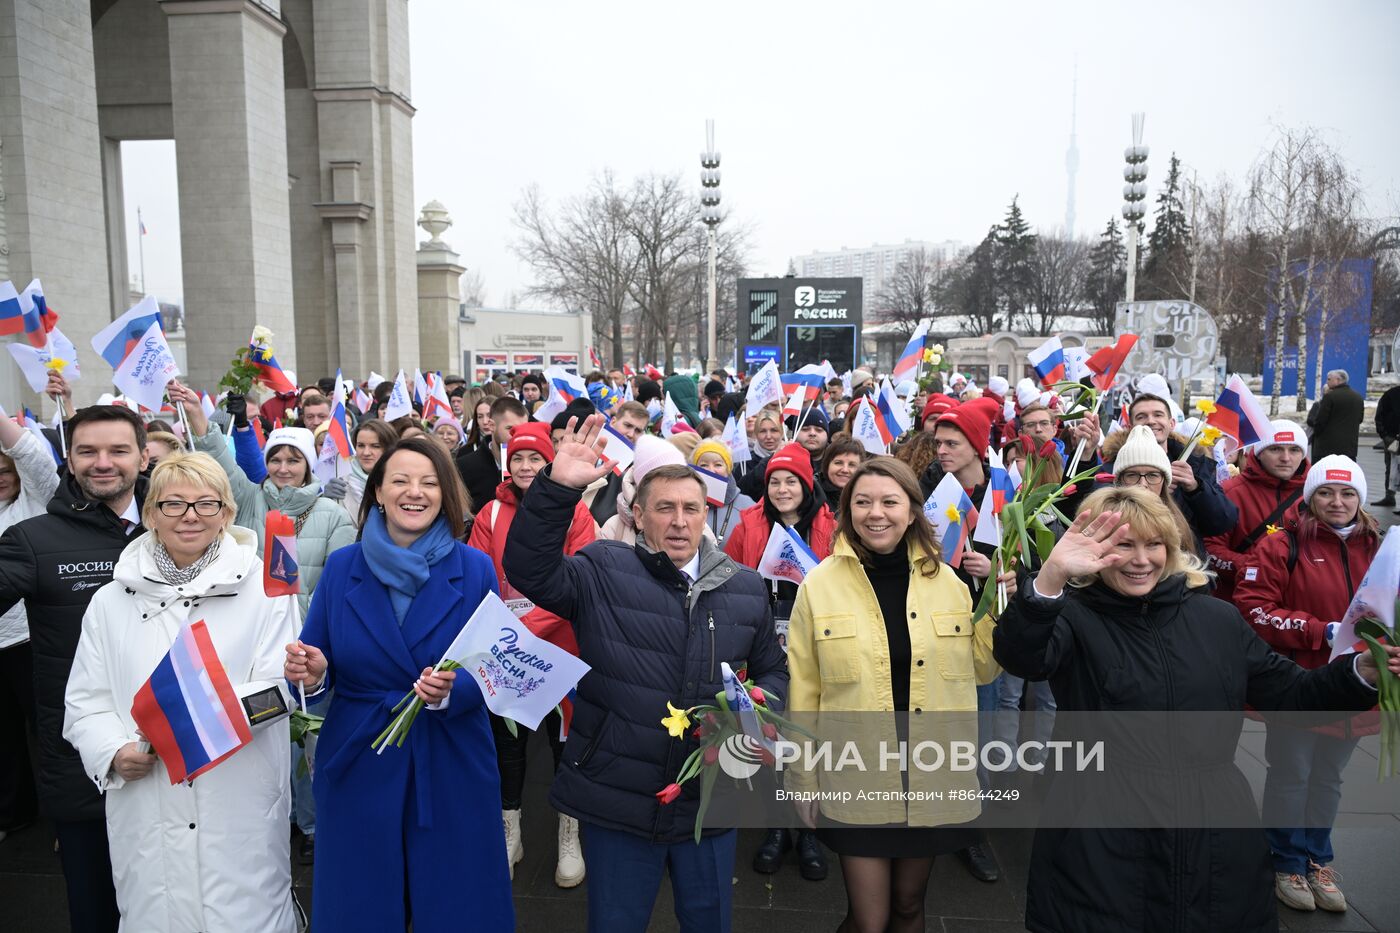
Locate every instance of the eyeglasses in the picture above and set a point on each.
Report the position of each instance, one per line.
(1133, 478)
(176, 508)
(1036, 425)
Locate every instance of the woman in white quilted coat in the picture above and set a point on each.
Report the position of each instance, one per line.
(210, 854)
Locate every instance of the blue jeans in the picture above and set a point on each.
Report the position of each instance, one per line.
(986, 703)
(1304, 782)
(1041, 710)
(624, 875)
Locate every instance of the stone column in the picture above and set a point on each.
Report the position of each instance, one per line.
(439, 295)
(51, 203)
(231, 150)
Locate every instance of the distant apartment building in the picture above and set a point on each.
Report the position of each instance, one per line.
(875, 263)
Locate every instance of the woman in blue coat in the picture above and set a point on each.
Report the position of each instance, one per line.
(413, 833)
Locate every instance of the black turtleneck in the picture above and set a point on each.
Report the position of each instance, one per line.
(889, 578)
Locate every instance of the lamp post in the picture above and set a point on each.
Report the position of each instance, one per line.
(1134, 198)
(710, 217)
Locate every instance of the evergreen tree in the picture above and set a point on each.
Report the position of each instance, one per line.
(1168, 242)
(970, 289)
(1015, 272)
(1108, 273)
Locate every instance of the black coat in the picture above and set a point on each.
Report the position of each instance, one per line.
(1336, 422)
(1176, 649)
(55, 563)
(480, 475)
(1388, 413)
(648, 641)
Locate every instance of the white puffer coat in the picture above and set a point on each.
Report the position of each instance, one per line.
(213, 854)
(38, 479)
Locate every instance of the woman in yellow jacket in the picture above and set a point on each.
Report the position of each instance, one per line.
(883, 627)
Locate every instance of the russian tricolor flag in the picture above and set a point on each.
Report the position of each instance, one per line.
(1048, 361)
(1239, 414)
(786, 556)
(36, 317)
(1000, 489)
(908, 363)
(188, 710)
(281, 573)
(270, 371)
(810, 384)
(892, 414)
(122, 335)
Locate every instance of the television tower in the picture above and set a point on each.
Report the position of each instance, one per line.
(1072, 156)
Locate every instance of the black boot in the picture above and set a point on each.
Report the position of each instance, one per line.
(769, 857)
(1388, 500)
(811, 860)
(981, 861)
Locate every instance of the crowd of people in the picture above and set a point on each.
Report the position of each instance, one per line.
(1177, 582)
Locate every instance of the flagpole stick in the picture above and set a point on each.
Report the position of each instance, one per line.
(296, 627)
(1074, 461)
(62, 439)
(184, 420)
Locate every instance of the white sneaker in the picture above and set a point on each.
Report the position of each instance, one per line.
(1322, 880)
(1294, 891)
(569, 871)
(515, 843)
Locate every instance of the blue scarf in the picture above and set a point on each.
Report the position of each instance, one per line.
(403, 571)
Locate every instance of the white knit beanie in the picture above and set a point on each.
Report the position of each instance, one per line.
(651, 452)
(1141, 450)
(299, 438)
(1285, 432)
(1335, 470)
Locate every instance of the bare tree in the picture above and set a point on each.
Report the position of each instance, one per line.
(472, 289)
(1282, 202)
(908, 293)
(1059, 274)
(584, 256)
(662, 223)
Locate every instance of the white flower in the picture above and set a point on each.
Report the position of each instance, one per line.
(261, 335)
(937, 348)
(935, 360)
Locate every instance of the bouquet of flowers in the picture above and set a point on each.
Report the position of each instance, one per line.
(1205, 432)
(408, 709)
(739, 722)
(1023, 517)
(243, 372)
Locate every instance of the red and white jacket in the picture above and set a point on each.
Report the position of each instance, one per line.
(1256, 493)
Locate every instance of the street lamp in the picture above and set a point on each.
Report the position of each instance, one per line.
(1134, 197)
(710, 217)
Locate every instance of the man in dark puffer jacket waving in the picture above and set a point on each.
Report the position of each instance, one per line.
(654, 621)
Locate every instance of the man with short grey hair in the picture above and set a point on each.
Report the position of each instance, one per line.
(1335, 419)
(654, 623)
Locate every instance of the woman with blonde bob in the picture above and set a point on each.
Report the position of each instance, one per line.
(1119, 618)
(212, 854)
(882, 626)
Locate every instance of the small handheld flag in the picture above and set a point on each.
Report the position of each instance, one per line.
(39, 319)
(270, 372)
(134, 344)
(951, 513)
(909, 359)
(399, 405)
(716, 486)
(786, 556)
(764, 388)
(187, 708)
(618, 449)
(1048, 361)
(281, 574)
(1239, 414)
(1106, 362)
(737, 439)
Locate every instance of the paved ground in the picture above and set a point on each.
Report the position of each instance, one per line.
(1367, 846)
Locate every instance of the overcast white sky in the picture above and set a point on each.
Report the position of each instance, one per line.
(846, 124)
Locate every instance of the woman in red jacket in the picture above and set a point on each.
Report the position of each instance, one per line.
(1265, 492)
(788, 497)
(530, 451)
(1293, 586)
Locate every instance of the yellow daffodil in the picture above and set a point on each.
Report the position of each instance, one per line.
(56, 365)
(953, 514)
(1205, 407)
(929, 355)
(1272, 529)
(677, 722)
(1209, 435)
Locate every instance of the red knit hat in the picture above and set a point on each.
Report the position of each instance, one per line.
(974, 419)
(793, 458)
(937, 404)
(532, 435)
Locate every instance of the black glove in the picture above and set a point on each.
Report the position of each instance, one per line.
(237, 407)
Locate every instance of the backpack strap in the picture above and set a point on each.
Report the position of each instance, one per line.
(1263, 527)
